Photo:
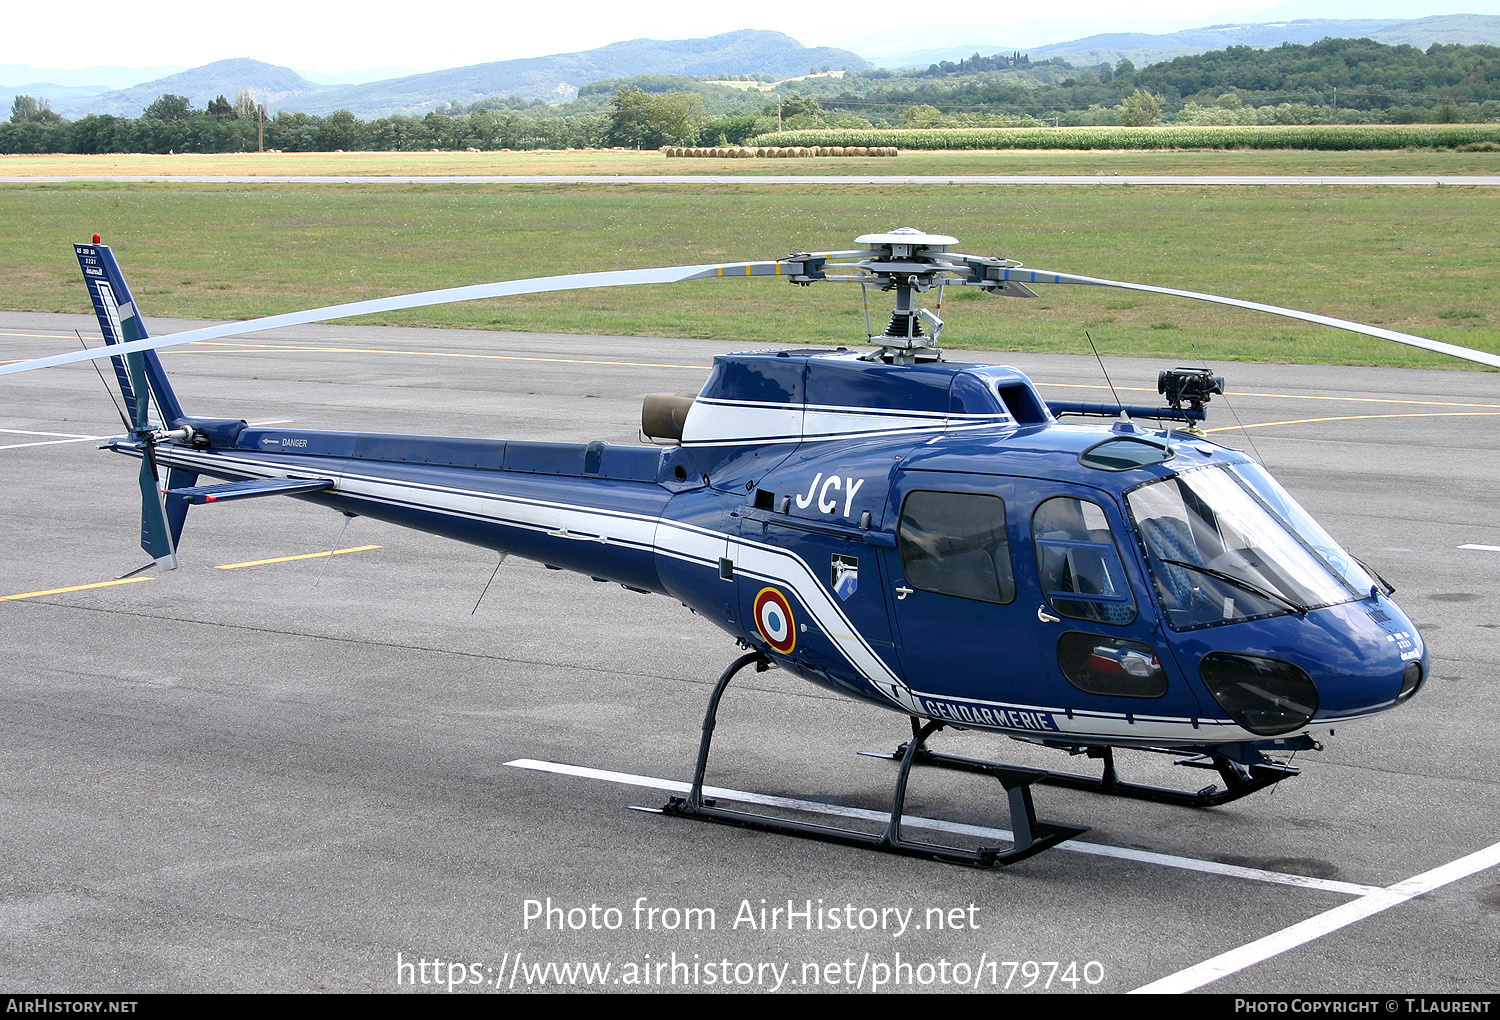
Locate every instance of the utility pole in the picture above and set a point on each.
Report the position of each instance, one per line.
(260, 127)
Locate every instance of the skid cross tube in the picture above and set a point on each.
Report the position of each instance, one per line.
(1029, 836)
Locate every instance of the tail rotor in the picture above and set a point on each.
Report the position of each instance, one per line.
(157, 537)
(150, 404)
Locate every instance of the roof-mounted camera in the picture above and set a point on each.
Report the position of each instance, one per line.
(1194, 385)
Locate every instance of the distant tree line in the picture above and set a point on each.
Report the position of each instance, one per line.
(634, 119)
(1335, 81)
(170, 125)
(977, 63)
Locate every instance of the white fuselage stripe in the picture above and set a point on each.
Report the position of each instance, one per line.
(704, 547)
(713, 422)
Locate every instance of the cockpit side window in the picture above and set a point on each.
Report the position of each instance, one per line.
(955, 543)
(1078, 562)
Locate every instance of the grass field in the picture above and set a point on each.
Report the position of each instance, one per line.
(1421, 260)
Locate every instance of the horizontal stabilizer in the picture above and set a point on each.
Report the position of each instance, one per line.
(224, 492)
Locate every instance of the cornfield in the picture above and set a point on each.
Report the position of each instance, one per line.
(775, 152)
(1329, 137)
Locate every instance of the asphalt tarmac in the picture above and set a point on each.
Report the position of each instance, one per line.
(262, 772)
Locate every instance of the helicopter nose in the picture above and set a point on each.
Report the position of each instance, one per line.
(1383, 684)
(1336, 663)
(1389, 663)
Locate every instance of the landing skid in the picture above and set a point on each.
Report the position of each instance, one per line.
(1030, 836)
(1239, 780)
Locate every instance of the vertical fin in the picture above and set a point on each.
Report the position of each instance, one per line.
(149, 400)
(120, 322)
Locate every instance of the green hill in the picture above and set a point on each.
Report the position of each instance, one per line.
(557, 78)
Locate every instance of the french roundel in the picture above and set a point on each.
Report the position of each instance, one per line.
(773, 618)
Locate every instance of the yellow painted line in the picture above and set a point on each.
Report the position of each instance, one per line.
(288, 559)
(1285, 396)
(1357, 417)
(1367, 400)
(76, 587)
(41, 336)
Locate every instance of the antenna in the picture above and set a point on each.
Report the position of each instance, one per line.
(1125, 410)
(99, 372)
(485, 590)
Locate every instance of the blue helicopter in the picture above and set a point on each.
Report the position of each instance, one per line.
(921, 535)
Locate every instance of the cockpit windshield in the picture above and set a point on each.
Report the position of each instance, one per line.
(1227, 543)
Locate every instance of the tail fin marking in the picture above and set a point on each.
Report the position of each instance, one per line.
(120, 322)
(149, 400)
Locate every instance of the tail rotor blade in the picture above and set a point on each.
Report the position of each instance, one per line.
(156, 536)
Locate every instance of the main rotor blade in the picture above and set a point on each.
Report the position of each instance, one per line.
(677, 274)
(1023, 275)
(451, 295)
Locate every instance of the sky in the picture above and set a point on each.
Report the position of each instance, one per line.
(329, 38)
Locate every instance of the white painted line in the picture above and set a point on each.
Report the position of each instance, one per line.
(1316, 927)
(1482, 548)
(1215, 868)
(67, 437)
(955, 828)
(72, 438)
(51, 442)
(28, 432)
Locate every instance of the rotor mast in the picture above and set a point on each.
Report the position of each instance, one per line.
(909, 262)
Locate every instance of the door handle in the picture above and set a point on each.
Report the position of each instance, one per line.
(1047, 617)
(902, 591)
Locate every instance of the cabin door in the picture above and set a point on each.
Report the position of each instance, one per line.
(966, 632)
